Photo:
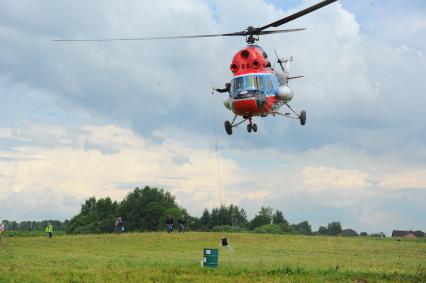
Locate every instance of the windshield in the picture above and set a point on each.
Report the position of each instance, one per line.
(248, 84)
(254, 83)
(237, 84)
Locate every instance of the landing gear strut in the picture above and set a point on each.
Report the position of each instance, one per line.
(229, 125)
(301, 117)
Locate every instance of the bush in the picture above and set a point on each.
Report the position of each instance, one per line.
(228, 229)
(270, 229)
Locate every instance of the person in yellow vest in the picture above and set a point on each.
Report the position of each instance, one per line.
(49, 229)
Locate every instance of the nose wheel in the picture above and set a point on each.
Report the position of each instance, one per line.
(251, 127)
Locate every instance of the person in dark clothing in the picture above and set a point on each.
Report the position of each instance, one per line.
(120, 225)
(223, 90)
(182, 223)
(169, 223)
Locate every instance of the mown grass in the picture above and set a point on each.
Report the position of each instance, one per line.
(35, 233)
(161, 257)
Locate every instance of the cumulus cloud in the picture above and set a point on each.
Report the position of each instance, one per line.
(101, 118)
(326, 178)
(35, 202)
(81, 171)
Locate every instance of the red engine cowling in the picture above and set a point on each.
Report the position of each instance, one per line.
(251, 59)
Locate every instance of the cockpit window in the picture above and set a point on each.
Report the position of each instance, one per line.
(250, 84)
(237, 84)
(254, 83)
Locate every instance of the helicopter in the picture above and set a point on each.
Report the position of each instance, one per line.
(257, 88)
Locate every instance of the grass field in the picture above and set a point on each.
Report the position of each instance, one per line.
(161, 257)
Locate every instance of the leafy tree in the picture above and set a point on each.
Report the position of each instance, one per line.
(278, 218)
(205, 220)
(224, 216)
(302, 228)
(143, 209)
(263, 217)
(322, 230)
(238, 216)
(155, 211)
(193, 223)
(88, 206)
(96, 216)
(334, 228)
(266, 212)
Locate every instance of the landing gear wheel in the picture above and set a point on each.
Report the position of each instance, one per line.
(228, 127)
(249, 128)
(302, 117)
(254, 128)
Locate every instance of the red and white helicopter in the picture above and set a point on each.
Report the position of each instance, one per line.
(256, 89)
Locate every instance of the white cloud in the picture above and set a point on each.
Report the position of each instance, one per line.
(81, 171)
(150, 112)
(325, 178)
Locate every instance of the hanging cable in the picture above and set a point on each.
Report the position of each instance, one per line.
(219, 183)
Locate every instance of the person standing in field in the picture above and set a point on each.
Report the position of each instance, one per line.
(120, 225)
(49, 230)
(1, 230)
(169, 223)
(116, 225)
(182, 223)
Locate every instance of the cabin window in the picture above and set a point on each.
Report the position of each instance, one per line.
(237, 85)
(269, 86)
(254, 83)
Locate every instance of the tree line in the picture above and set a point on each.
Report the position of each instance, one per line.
(34, 225)
(146, 209)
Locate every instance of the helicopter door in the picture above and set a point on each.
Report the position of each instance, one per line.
(260, 92)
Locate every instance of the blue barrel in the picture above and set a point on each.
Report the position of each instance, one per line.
(210, 257)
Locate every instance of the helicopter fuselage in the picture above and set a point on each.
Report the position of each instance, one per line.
(254, 95)
(255, 89)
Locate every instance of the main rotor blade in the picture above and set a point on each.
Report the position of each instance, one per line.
(180, 37)
(153, 38)
(250, 31)
(280, 31)
(297, 15)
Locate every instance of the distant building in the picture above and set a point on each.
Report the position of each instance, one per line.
(348, 233)
(419, 233)
(407, 234)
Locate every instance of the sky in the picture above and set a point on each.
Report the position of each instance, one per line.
(101, 118)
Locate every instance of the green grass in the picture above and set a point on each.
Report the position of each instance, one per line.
(36, 233)
(161, 257)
